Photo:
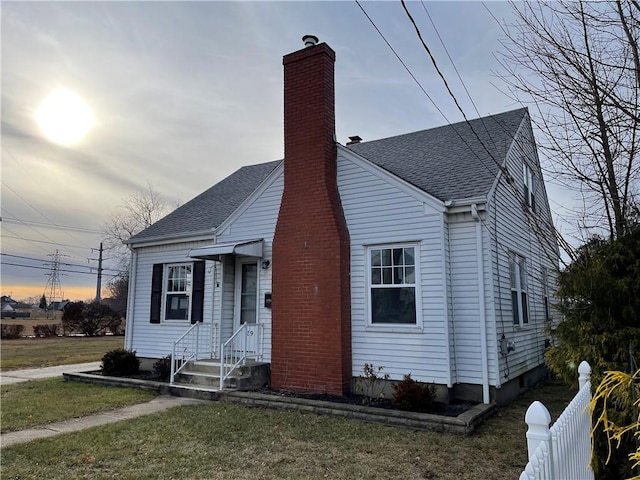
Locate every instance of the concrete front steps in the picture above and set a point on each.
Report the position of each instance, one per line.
(205, 374)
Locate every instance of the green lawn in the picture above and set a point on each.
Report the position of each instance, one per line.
(45, 352)
(39, 402)
(223, 441)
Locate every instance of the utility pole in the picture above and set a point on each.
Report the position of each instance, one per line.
(99, 284)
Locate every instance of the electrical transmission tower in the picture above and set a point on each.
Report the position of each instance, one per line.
(53, 290)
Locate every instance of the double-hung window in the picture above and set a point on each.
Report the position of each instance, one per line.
(178, 292)
(519, 304)
(393, 271)
(545, 293)
(529, 187)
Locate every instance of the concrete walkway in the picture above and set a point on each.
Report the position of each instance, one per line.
(158, 404)
(17, 376)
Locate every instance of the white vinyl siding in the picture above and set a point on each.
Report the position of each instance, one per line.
(155, 340)
(465, 298)
(256, 219)
(512, 231)
(381, 212)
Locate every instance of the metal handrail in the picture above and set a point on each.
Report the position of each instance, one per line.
(235, 357)
(224, 374)
(179, 360)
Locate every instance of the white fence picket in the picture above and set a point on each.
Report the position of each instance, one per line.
(564, 450)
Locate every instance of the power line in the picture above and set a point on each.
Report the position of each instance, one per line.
(34, 244)
(35, 209)
(401, 61)
(502, 168)
(55, 226)
(61, 263)
(43, 241)
(531, 220)
(435, 29)
(47, 268)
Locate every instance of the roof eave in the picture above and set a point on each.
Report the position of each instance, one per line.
(165, 239)
(462, 205)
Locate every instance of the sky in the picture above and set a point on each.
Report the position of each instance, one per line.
(185, 93)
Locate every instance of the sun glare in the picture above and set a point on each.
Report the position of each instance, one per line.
(64, 117)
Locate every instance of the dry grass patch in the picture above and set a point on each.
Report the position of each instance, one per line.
(221, 441)
(46, 352)
(39, 402)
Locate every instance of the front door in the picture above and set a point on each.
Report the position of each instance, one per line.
(246, 300)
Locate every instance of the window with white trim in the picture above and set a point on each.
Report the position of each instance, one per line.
(519, 304)
(178, 292)
(545, 293)
(529, 186)
(393, 271)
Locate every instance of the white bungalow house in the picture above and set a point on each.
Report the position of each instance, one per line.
(429, 253)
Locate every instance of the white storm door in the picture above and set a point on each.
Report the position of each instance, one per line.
(246, 301)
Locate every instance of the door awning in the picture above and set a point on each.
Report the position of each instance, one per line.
(249, 248)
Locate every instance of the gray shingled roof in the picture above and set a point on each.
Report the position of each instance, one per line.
(448, 162)
(210, 208)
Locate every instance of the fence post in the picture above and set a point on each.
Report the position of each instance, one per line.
(538, 420)
(584, 371)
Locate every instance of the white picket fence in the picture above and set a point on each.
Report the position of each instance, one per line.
(563, 451)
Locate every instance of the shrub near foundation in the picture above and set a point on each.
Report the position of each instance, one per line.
(162, 368)
(415, 396)
(120, 362)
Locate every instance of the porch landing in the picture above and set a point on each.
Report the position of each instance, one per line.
(205, 374)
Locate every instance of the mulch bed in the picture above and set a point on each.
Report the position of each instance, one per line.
(448, 410)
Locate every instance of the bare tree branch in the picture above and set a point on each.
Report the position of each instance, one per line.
(577, 64)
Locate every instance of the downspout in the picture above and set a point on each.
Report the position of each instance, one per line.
(481, 304)
(446, 264)
(220, 325)
(213, 303)
(131, 294)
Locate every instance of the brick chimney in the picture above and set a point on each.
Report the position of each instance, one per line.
(311, 313)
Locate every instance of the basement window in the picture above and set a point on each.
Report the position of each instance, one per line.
(392, 284)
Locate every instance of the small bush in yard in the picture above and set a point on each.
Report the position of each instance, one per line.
(10, 332)
(46, 330)
(120, 362)
(415, 396)
(372, 382)
(162, 368)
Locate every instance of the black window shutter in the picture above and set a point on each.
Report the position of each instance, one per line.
(197, 293)
(156, 293)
